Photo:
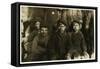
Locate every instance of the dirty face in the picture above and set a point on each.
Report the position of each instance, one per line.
(37, 24)
(62, 27)
(44, 31)
(76, 26)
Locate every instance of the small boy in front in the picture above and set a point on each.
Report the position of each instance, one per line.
(78, 46)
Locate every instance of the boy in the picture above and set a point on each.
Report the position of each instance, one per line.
(59, 40)
(78, 47)
(38, 48)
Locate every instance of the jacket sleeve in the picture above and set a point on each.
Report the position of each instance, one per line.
(68, 43)
(83, 44)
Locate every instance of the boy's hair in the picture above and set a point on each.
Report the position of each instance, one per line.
(76, 22)
(79, 22)
(59, 22)
(72, 24)
(43, 26)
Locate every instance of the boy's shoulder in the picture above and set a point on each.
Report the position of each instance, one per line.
(79, 33)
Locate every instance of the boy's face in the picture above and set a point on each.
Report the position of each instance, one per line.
(76, 26)
(44, 31)
(62, 27)
(37, 24)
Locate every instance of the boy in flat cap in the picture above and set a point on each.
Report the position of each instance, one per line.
(78, 46)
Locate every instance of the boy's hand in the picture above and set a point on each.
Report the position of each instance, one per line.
(85, 55)
(68, 56)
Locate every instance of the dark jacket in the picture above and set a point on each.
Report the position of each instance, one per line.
(34, 33)
(38, 48)
(58, 45)
(77, 43)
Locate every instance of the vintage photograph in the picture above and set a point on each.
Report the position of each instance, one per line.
(49, 34)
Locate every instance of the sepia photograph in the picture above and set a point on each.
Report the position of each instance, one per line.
(57, 34)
